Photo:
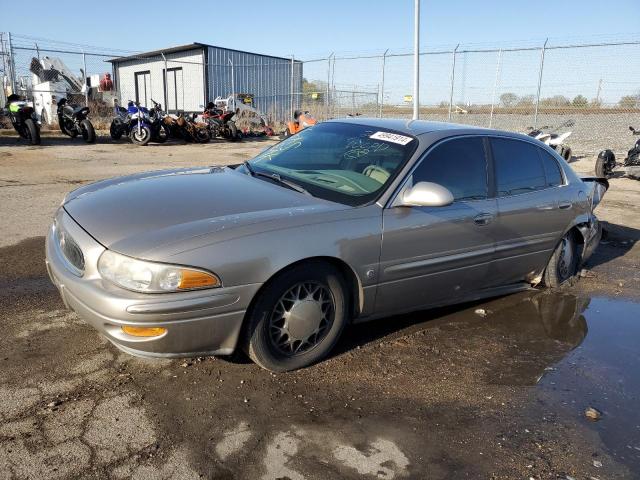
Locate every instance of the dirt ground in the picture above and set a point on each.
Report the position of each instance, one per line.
(493, 390)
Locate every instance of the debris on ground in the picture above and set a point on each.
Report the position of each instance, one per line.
(593, 414)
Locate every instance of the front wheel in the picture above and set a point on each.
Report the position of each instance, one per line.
(202, 135)
(233, 132)
(163, 134)
(140, 135)
(297, 319)
(33, 132)
(564, 262)
(88, 132)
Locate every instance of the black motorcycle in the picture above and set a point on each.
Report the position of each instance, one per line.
(606, 164)
(73, 121)
(160, 132)
(23, 118)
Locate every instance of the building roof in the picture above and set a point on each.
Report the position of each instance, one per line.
(183, 48)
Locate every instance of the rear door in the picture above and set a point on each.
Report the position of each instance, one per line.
(437, 254)
(531, 215)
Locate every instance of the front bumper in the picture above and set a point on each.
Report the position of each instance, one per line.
(205, 322)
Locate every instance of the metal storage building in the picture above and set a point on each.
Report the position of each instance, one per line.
(186, 77)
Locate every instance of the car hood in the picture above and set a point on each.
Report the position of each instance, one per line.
(137, 214)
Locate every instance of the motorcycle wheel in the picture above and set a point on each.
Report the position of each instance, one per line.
(33, 132)
(114, 131)
(202, 135)
(233, 131)
(140, 138)
(88, 132)
(163, 134)
(603, 167)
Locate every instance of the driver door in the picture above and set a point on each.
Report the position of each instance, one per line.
(433, 255)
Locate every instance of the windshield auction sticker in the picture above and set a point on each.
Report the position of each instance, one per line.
(391, 137)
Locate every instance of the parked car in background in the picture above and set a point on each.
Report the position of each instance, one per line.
(346, 221)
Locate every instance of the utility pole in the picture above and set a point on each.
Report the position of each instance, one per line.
(416, 60)
(599, 91)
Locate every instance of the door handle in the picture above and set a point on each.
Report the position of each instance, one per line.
(483, 219)
(565, 205)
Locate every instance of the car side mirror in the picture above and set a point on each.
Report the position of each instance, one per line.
(426, 194)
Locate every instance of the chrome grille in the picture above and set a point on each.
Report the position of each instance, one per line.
(71, 251)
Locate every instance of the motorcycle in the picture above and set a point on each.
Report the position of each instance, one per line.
(73, 121)
(553, 139)
(160, 132)
(134, 121)
(23, 118)
(606, 162)
(220, 123)
(187, 128)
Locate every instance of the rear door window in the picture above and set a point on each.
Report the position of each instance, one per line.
(518, 167)
(551, 169)
(459, 165)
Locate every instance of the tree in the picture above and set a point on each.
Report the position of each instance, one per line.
(630, 101)
(555, 101)
(526, 101)
(508, 99)
(580, 101)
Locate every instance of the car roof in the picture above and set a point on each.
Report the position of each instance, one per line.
(422, 127)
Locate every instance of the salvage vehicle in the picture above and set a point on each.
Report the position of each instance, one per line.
(301, 120)
(550, 136)
(73, 121)
(346, 221)
(606, 163)
(23, 118)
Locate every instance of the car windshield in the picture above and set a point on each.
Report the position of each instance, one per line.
(346, 163)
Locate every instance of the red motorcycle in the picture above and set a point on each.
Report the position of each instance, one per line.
(220, 123)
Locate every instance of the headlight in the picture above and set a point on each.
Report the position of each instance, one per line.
(151, 277)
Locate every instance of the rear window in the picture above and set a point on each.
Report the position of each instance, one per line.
(551, 169)
(518, 167)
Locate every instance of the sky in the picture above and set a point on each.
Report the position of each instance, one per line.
(314, 29)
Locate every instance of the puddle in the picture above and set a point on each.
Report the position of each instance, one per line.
(578, 352)
(603, 371)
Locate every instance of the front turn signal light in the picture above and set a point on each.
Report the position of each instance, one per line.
(192, 279)
(143, 331)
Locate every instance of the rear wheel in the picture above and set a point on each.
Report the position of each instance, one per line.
(115, 131)
(563, 264)
(33, 132)
(88, 132)
(202, 135)
(297, 319)
(604, 164)
(233, 132)
(163, 134)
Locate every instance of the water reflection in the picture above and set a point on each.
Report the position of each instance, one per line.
(536, 332)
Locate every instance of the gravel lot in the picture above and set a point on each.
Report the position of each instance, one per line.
(449, 393)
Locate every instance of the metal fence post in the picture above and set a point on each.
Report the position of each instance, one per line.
(233, 83)
(495, 87)
(165, 86)
(384, 61)
(453, 78)
(12, 65)
(291, 91)
(326, 100)
(84, 74)
(535, 115)
(416, 60)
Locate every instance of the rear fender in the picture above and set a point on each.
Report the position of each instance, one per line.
(596, 188)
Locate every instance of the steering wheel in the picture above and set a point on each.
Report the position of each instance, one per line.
(377, 173)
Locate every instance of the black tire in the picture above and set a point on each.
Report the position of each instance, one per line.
(566, 153)
(287, 132)
(202, 135)
(606, 159)
(115, 131)
(261, 324)
(33, 131)
(564, 262)
(141, 138)
(88, 132)
(163, 134)
(233, 131)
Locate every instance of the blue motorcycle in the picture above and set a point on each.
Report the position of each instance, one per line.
(133, 121)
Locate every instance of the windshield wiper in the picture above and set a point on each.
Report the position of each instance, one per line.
(276, 178)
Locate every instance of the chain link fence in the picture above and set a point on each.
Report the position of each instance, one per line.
(512, 88)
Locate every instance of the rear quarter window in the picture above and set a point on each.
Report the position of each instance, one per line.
(551, 169)
(518, 167)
